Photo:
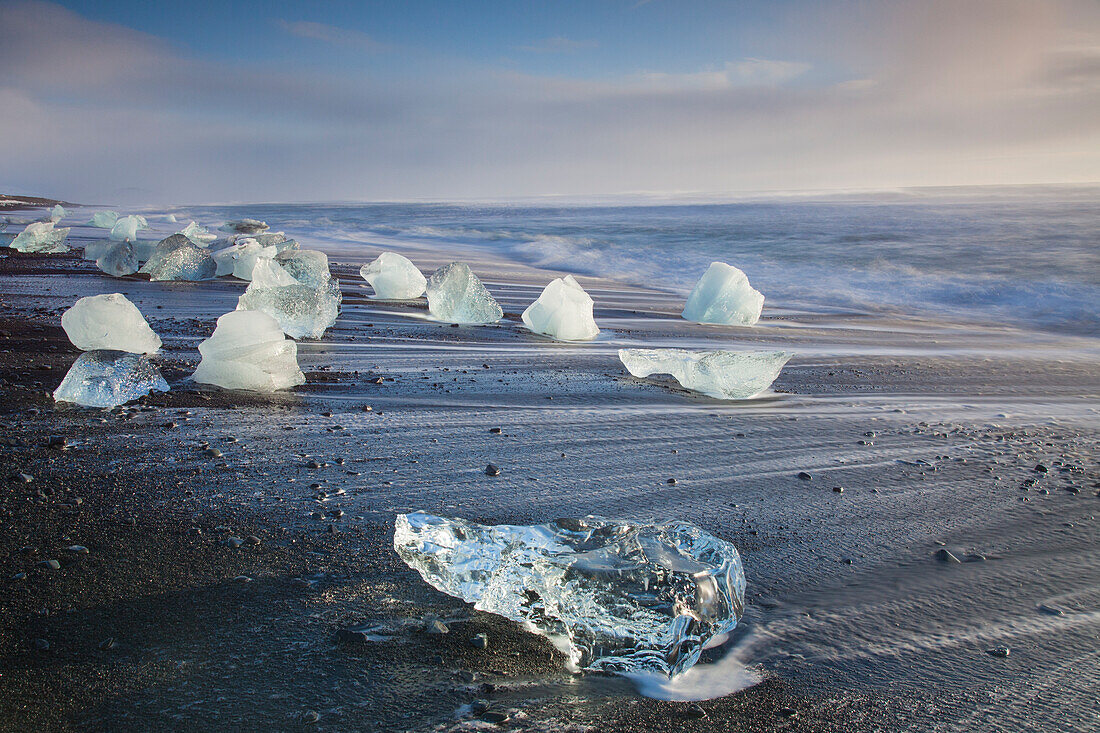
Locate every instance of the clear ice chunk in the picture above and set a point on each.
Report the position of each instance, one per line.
(618, 596)
(307, 266)
(178, 258)
(394, 277)
(57, 213)
(118, 259)
(725, 375)
(455, 295)
(104, 378)
(723, 296)
(197, 234)
(248, 351)
(562, 312)
(245, 226)
(127, 227)
(109, 322)
(304, 308)
(104, 219)
(41, 236)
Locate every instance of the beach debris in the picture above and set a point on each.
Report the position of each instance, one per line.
(563, 311)
(104, 219)
(105, 378)
(41, 236)
(394, 277)
(178, 258)
(725, 375)
(248, 351)
(723, 296)
(57, 213)
(455, 295)
(304, 308)
(118, 259)
(618, 596)
(245, 226)
(127, 227)
(197, 234)
(109, 322)
(805, 476)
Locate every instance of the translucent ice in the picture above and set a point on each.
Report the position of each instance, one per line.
(198, 234)
(57, 213)
(127, 227)
(104, 378)
(104, 219)
(620, 596)
(726, 375)
(109, 322)
(307, 266)
(302, 308)
(41, 236)
(394, 277)
(248, 351)
(563, 312)
(178, 258)
(170, 218)
(723, 295)
(118, 259)
(455, 295)
(245, 226)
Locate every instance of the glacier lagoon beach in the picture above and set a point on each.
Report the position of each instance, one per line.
(934, 426)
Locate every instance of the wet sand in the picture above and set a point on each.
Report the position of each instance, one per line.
(933, 432)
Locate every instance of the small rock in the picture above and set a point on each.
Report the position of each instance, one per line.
(671, 482)
(435, 626)
(51, 564)
(999, 651)
(1051, 610)
(313, 464)
(479, 706)
(695, 711)
(1040, 468)
(804, 476)
(495, 717)
(77, 549)
(242, 579)
(495, 431)
(492, 470)
(311, 716)
(481, 641)
(944, 555)
(213, 453)
(351, 636)
(24, 478)
(838, 489)
(252, 539)
(57, 442)
(19, 576)
(234, 542)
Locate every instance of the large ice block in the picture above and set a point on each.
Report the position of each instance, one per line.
(245, 226)
(197, 234)
(455, 295)
(394, 277)
(109, 322)
(104, 378)
(127, 227)
(118, 259)
(726, 375)
(248, 351)
(562, 312)
(303, 309)
(104, 219)
(178, 258)
(620, 596)
(41, 236)
(723, 296)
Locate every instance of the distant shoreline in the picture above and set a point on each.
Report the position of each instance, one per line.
(16, 202)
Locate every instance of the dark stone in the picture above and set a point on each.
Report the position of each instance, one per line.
(492, 470)
(804, 476)
(944, 555)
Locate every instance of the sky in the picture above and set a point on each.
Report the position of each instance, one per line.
(368, 100)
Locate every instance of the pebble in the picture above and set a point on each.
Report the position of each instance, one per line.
(999, 651)
(838, 489)
(481, 641)
(494, 716)
(671, 482)
(311, 716)
(19, 576)
(58, 442)
(1051, 610)
(1040, 468)
(252, 539)
(51, 564)
(492, 470)
(78, 549)
(313, 464)
(24, 478)
(234, 542)
(695, 711)
(213, 453)
(242, 579)
(804, 476)
(351, 636)
(495, 431)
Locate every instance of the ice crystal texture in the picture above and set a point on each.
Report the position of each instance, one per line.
(127, 227)
(105, 378)
(248, 351)
(178, 258)
(104, 219)
(723, 296)
(117, 259)
(562, 312)
(726, 375)
(394, 277)
(455, 295)
(109, 322)
(620, 596)
(41, 236)
(305, 307)
(197, 234)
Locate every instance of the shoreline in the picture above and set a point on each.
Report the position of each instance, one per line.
(194, 646)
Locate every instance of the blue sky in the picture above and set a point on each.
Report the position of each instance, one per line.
(250, 101)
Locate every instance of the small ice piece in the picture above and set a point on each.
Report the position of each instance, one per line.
(619, 596)
(197, 234)
(248, 351)
(394, 277)
(104, 219)
(178, 258)
(245, 226)
(303, 309)
(104, 378)
(127, 227)
(723, 296)
(562, 312)
(455, 295)
(725, 375)
(118, 259)
(171, 218)
(109, 322)
(41, 236)
(57, 213)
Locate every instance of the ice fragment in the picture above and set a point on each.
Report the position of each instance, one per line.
(248, 351)
(109, 322)
(455, 295)
(104, 378)
(178, 258)
(41, 236)
(563, 312)
(726, 375)
(723, 296)
(394, 277)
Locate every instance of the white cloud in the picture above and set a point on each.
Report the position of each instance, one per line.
(331, 34)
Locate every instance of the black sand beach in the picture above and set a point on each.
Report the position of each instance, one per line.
(984, 448)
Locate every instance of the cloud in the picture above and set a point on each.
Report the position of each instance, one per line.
(331, 34)
(559, 44)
